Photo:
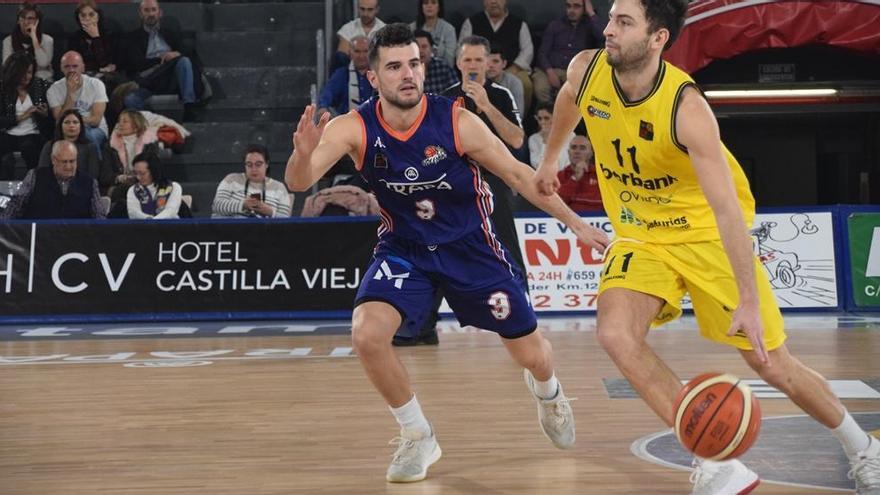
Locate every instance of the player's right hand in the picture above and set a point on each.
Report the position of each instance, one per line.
(308, 134)
(546, 180)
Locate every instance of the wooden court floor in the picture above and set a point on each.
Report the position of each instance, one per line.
(255, 420)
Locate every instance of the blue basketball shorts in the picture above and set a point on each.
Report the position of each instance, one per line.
(483, 288)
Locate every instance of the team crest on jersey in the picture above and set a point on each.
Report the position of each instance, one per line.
(595, 112)
(433, 155)
(646, 130)
(411, 173)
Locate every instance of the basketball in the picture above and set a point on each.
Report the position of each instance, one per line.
(717, 416)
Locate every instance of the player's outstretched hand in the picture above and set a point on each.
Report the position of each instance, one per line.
(747, 318)
(591, 236)
(308, 134)
(546, 179)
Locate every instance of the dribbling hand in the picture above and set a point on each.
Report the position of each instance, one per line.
(748, 319)
(308, 134)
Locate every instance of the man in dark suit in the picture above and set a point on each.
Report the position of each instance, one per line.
(154, 60)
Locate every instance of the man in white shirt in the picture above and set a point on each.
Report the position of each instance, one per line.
(81, 92)
(366, 24)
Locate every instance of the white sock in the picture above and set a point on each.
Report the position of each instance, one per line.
(546, 390)
(851, 436)
(410, 417)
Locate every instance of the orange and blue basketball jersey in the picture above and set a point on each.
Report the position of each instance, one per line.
(435, 229)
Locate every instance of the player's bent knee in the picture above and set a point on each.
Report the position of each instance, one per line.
(614, 341)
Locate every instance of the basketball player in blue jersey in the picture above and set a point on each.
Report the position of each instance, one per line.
(417, 152)
(695, 240)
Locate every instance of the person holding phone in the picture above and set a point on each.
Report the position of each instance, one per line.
(252, 193)
(24, 114)
(27, 36)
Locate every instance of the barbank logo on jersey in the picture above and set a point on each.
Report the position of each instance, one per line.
(595, 112)
(631, 179)
(434, 154)
(600, 101)
(406, 189)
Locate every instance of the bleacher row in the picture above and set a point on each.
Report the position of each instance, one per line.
(260, 59)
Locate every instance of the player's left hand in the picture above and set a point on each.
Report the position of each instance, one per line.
(747, 318)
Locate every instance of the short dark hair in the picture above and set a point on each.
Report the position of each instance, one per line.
(154, 165)
(496, 48)
(668, 14)
(257, 148)
(474, 40)
(396, 34)
(421, 33)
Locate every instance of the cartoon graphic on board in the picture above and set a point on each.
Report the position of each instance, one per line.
(798, 263)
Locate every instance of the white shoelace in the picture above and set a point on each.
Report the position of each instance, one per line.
(404, 448)
(562, 409)
(867, 471)
(700, 472)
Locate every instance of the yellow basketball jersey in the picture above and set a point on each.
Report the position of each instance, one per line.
(648, 184)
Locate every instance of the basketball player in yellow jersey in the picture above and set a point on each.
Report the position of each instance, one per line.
(680, 206)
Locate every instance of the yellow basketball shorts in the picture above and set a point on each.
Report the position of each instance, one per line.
(702, 269)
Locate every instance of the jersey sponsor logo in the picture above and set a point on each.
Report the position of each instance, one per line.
(378, 143)
(406, 189)
(646, 130)
(384, 272)
(433, 155)
(600, 101)
(631, 179)
(595, 112)
(627, 216)
(411, 173)
(634, 196)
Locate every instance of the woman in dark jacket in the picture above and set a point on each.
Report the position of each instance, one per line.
(97, 47)
(24, 114)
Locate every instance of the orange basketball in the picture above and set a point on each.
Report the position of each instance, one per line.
(717, 416)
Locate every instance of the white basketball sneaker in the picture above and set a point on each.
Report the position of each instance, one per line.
(415, 453)
(722, 478)
(554, 415)
(866, 469)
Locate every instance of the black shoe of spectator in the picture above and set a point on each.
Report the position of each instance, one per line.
(427, 337)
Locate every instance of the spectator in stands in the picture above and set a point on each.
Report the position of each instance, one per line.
(496, 63)
(24, 113)
(83, 93)
(538, 140)
(493, 103)
(97, 47)
(512, 34)
(69, 128)
(438, 74)
(366, 24)
(430, 19)
(63, 191)
(579, 29)
(28, 36)
(252, 193)
(348, 86)
(578, 185)
(153, 196)
(154, 59)
(131, 137)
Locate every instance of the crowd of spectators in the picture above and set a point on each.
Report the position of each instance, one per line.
(490, 63)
